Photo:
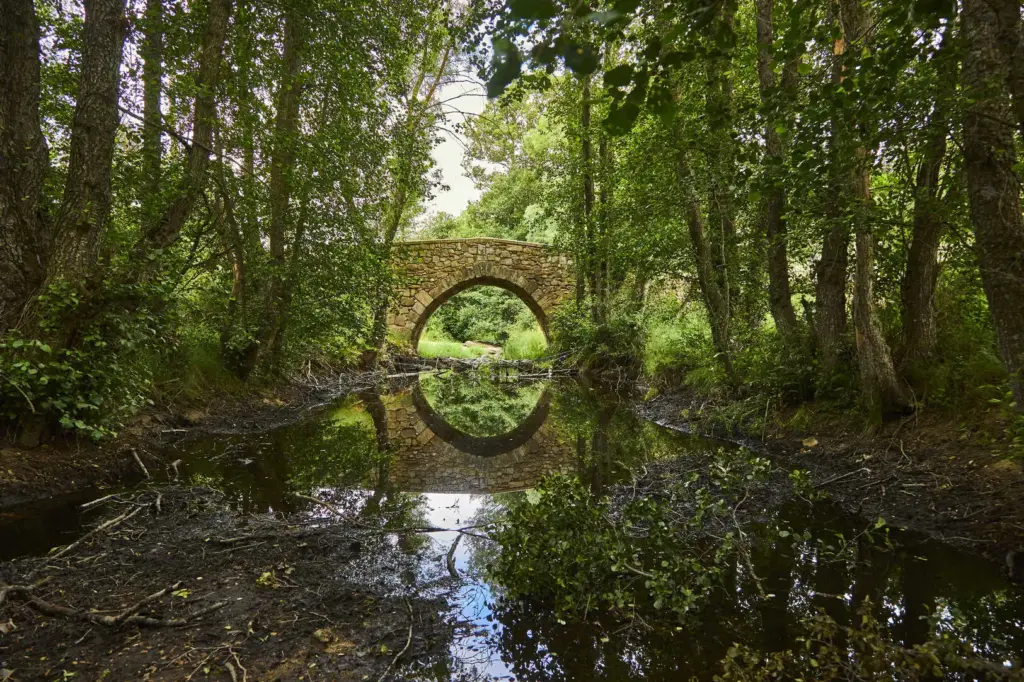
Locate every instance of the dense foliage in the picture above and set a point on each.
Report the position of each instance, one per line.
(775, 200)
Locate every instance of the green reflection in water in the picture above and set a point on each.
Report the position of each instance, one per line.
(477, 405)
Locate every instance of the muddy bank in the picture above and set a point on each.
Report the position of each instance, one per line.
(170, 585)
(919, 472)
(67, 464)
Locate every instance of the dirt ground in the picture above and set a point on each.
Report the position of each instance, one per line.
(173, 587)
(921, 472)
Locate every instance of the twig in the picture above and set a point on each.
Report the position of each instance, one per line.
(142, 466)
(96, 503)
(131, 610)
(841, 477)
(637, 570)
(98, 529)
(408, 641)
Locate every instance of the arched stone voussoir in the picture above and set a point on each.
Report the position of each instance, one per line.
(443, 268)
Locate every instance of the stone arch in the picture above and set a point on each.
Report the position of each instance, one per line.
(432, 271)
(474, 277)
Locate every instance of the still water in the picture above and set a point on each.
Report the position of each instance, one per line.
(457, 450)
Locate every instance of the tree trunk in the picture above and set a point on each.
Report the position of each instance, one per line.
(992, 185)
(24, 163)
(282, 170)
(918, 315)
(1011, 42)
(779, 296)
(830, 272)
(86, 205)
(152, 77)
(589, 227)
(165, 231)
(715, 300)
(880, 387)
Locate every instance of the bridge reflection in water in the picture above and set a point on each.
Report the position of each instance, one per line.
(430, 454)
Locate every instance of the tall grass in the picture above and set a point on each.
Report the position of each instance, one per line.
(433, 347)
(525, 344)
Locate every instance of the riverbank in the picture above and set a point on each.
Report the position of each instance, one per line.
(67, 463)
(923, 472)
(170, 585)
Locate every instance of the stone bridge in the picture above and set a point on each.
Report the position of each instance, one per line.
(433, 456)
(434, 270)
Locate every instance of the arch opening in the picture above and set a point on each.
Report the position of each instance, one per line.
(480, 314)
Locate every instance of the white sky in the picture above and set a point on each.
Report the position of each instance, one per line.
(463, 97)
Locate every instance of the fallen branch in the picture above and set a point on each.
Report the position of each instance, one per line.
(835, 479)
(97, 502)
(98, 529)
(131, 610)
(48, 609)
(142, 466)
(451, 558)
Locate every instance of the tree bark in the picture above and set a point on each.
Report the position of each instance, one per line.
(165, 231)
(152, 77)
(779, 294)
(830, 271)
(589, 226)
(24, 163)
(715, 300)
(282, 171)
(918, 315)
(85, 209)
(1011, 42)
(992, 185)
(880, 387)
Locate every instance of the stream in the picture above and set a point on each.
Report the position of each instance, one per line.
(457, 450)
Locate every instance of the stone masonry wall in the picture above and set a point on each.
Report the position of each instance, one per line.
(433, 271)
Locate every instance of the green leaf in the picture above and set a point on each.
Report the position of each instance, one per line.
(581, 59)
(532, 9)
(619, 76)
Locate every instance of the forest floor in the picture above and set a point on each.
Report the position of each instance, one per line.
(922, 472)
(174, 586)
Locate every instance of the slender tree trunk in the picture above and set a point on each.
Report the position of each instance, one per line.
(780, 298)
(880, 387)
(589, 227)
(282, 170)
(830, 272)
(85, 209)
(919, 324)
(992, 185)
(24, 163)
(715, 300)
(165, 231)
(152, 81)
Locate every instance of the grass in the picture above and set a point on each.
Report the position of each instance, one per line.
(525, 344)
(440, 348)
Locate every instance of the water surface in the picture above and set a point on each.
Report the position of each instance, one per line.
(451, 451)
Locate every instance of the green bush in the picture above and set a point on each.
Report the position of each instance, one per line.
(525, 344)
